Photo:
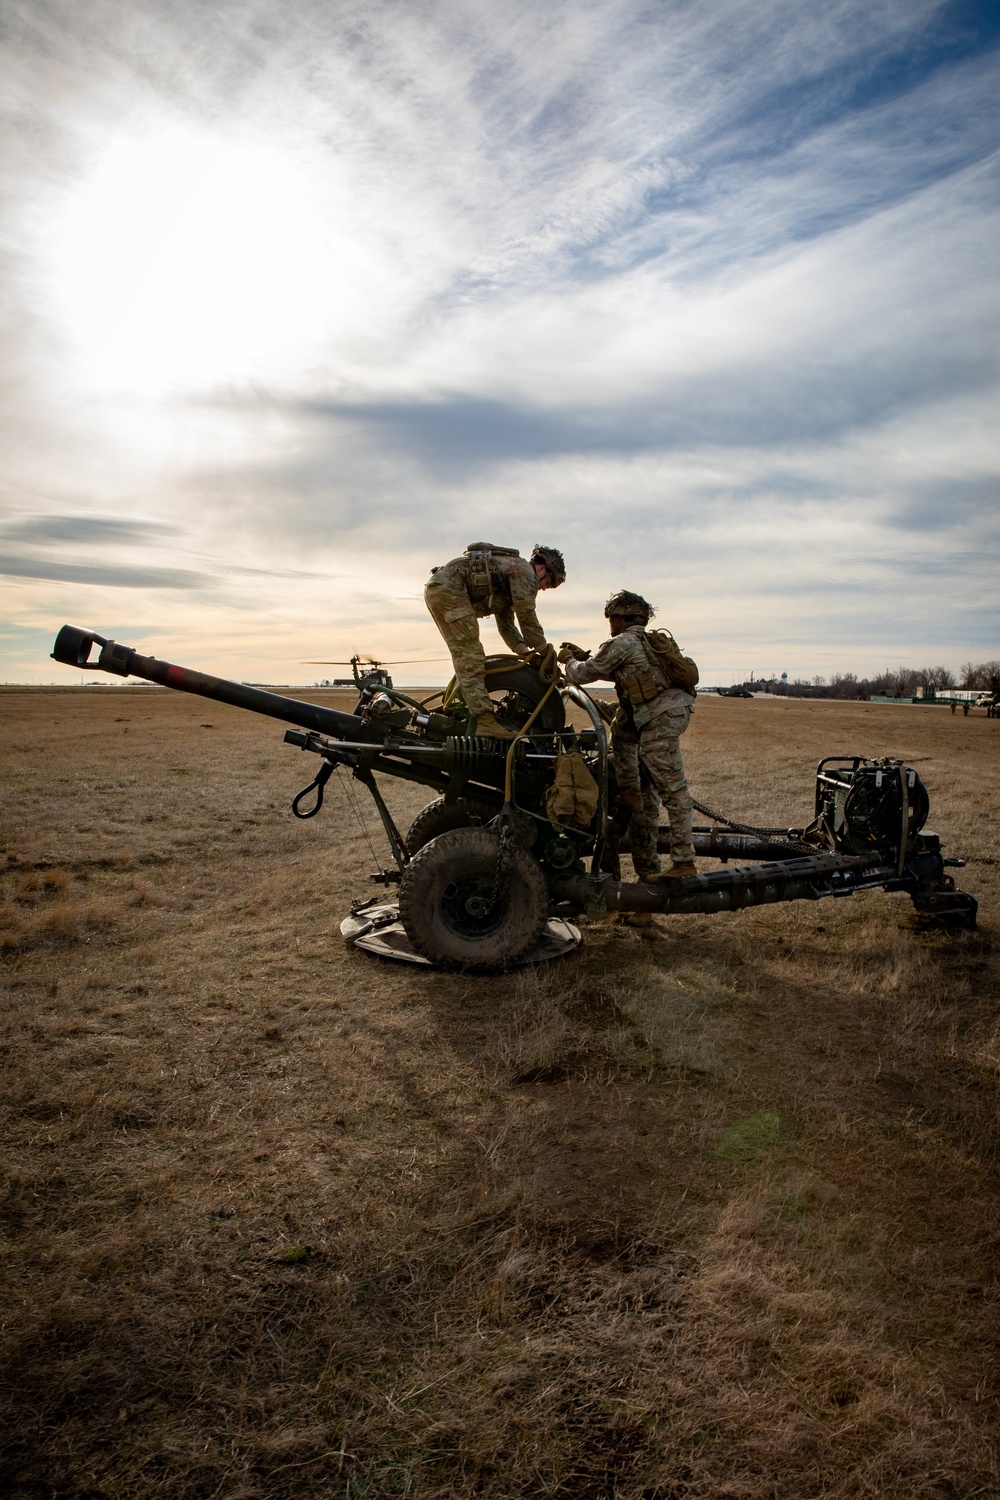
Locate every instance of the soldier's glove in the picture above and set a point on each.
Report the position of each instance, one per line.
(628, 801)
(569, 652)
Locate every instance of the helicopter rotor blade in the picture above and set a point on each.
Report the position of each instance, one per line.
(410, 662)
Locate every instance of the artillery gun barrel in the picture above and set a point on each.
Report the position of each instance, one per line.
(344, 738)
(73, 647)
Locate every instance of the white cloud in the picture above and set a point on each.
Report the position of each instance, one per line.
(711, 287)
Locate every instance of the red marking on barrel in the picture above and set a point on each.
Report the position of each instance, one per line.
(175, 674)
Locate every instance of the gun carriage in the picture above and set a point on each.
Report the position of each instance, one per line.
(494, 855)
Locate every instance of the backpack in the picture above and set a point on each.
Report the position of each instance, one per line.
(482, 578)
(492, 547)
(680, 670)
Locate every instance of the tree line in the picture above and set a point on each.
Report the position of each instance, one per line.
(897, 682)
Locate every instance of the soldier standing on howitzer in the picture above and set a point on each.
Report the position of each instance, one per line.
(655, 686)
(498, 581)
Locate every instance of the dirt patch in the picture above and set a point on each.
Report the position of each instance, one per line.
(708, 1209)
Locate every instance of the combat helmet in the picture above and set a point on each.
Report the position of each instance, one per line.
(554, 563)
(631, 607)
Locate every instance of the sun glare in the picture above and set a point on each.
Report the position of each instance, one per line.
(183, 260)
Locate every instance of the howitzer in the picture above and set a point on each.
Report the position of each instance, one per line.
(484, 865)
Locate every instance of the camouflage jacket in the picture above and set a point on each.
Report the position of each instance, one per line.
(514, 591)
(614, 661)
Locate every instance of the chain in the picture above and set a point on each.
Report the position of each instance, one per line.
(501, 875)
(749, 828)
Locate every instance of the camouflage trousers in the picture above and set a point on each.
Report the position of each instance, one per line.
(456, 619)
(649, 761)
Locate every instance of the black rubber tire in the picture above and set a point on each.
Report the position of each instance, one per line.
(456, 870)
(516, 693)
(440, 817)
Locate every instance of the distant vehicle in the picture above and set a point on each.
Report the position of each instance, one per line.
(734, 692)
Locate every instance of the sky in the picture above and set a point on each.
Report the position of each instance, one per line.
(298, 300)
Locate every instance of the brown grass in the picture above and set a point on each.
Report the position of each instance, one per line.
(708, 1209)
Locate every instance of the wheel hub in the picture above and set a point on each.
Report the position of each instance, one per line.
(469, 906)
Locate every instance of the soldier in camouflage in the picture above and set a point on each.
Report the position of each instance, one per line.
(638, 801)
(490, 580)
(645, 735)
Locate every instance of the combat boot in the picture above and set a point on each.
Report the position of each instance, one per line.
(679, 869)
(488, 726)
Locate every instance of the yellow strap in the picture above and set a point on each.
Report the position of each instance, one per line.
(508, 781)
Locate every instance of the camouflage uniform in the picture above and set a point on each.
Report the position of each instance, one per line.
(645, 739)
(631, 775)
(457, 606)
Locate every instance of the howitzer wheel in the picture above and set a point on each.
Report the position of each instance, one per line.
(461, 905)
(440, 817)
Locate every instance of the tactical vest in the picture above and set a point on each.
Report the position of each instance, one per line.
(641, 684)
(484, 579)
(665, 668)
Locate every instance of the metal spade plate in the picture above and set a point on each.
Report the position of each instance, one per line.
(377, 929)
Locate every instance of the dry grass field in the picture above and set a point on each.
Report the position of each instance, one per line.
(709, 1209)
